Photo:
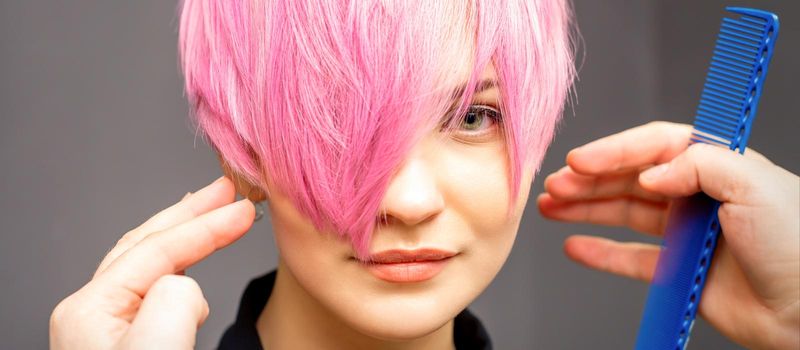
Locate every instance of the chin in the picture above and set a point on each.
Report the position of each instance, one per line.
(401, 317)
(401, 332)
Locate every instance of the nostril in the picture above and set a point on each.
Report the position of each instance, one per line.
(410, 215)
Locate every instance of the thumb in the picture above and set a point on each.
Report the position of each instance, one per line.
(724, 175)
(172, 311)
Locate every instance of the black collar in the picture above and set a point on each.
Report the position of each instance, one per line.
(468, 332)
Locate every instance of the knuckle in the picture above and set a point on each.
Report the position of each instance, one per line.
(655, 127)
(206, 229)
(697, 147)
(186, 290)
(123, 240)
(127, 238)
(658, 124)
(67, 311)
(204, 311)
(697, 151)
(665, 126)
(177, 284)
(753, 187)
(59, 313)
(735, 189)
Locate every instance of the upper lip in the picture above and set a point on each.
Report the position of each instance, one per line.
(398, 256)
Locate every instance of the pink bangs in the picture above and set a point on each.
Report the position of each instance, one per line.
(326, 98)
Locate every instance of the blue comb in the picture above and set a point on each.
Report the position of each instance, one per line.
(727, 108)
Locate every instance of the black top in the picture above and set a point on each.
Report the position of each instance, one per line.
(468, 332)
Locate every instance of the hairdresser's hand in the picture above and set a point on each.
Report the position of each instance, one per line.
(139, 297)
(753, 289)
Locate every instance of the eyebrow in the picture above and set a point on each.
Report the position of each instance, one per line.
(486, 84)
(483, 85)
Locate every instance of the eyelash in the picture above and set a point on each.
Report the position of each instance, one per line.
(491, 113)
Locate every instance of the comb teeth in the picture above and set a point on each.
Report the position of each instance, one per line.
(734, 80)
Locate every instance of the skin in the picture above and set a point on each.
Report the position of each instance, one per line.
(753, 290)
(138, 298)
(450, 194)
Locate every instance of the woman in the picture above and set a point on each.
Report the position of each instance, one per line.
(395, 143)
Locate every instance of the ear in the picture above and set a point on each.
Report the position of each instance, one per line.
(243, 187)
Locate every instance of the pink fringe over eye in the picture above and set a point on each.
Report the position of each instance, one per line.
(325, 98)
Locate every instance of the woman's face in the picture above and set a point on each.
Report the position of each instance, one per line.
(447, 201)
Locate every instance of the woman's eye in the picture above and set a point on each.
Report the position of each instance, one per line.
(479, 118)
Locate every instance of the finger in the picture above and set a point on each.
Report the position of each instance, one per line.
(177, 248)
(631, 259)
(170, 315)
(566, 184)
(652, 143)
(722, 174)
(214, 195)
(638, 214)
(751, 153)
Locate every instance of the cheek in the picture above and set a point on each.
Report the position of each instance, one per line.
(474, 180)
(319, 264)
(308, 254)
(290, 230)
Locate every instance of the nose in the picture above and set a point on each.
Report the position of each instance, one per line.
(412, 196)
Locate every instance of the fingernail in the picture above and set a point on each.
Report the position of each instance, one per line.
(187, 195)
(655, 172)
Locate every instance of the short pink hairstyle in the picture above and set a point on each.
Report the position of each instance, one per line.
(325, 98)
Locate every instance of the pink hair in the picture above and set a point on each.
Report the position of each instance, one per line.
(327, 97)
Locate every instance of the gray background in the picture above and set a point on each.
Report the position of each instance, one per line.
(94, 139)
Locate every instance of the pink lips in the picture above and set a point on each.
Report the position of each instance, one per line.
(406, 266)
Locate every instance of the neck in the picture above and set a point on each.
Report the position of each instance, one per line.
(292, 319)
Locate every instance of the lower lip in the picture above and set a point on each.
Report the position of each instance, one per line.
(417, 271)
